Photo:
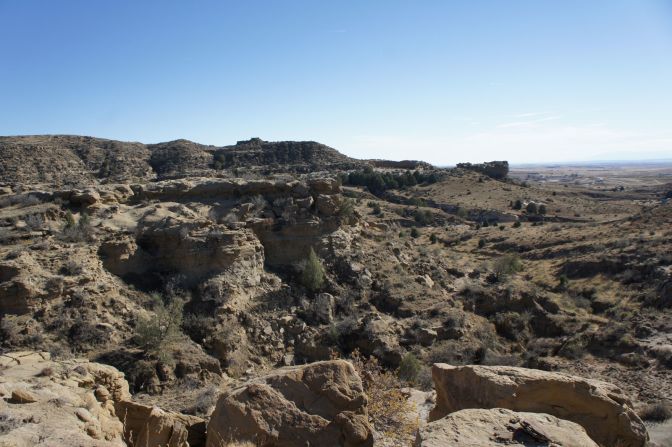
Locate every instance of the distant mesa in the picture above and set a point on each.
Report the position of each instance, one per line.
(76, 160)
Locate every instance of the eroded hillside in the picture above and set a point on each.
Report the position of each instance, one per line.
(194, 269)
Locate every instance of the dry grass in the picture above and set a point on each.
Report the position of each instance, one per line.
(394, 418)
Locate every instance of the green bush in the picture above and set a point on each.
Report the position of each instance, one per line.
(409, 368)
(312, 275)
(507, 265)
(517, 224)
(481, 243)
(76, 231)
(531, 208)
(415, 233)
(517, 205)
(153, 334)
(346, 209)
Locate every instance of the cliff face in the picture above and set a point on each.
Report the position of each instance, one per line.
(77, 160)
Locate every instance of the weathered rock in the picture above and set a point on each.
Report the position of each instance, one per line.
(86, 197)
(326, 205)
(53, 404)
(426, 336)
(324, 185)
(150, 426)
(481, 428)
(601, 408)
(20, 396)
(323, 308)
(319, 404)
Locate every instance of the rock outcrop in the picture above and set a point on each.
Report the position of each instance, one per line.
(318, 404)
(75, 160)
(80, 403)
(601, 408)
(57, 404)
(498, 426)
(147, 426)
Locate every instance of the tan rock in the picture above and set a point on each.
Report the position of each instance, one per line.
(60, 409)
(150, 426)
(497, 426)
(327, 205)
(85, 197)
(21, 396)
(601, 408)
(318, 404)
(324, 185)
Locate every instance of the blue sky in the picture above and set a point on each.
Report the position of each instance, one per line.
(442, 81)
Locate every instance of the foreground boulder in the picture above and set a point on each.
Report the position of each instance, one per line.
(601, 408)
(478, 427)
(55, 404)
(147, 426)
(80, 403)
(321, 404)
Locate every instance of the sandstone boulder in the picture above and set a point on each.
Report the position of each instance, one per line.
(86, 197)
(601, 408)
(497, 426)
(55, 404)
(327, 205)
(147, 426)
(318, 404)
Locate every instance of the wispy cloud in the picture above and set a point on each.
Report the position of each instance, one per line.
(528, 123)
(530, 114)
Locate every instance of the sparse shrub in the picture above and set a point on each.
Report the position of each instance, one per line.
(507, 265)
(542, 209)
(409, 368)
(512, 325)
(461, 212)
(313, 273)
(424, 380)
(531, 208)
(69, 219)
(346, 209)
(517, 205)
(258, 204)
(198, 327)
(415, 233)
(391, 414)
(433, 239)
(658, 412)
(76, 231)
(481, 243)
(563, 283)
(423, 217)
(71, 268)
(517, 224)
(162, 328)
(34, 222)
(492, 358)
(205, 401)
